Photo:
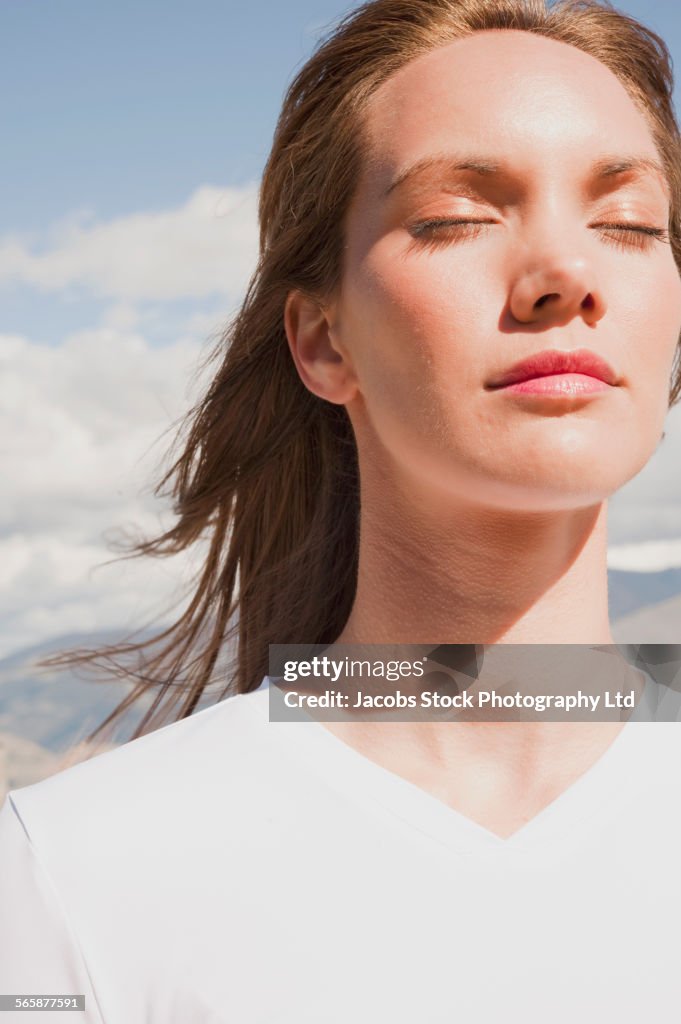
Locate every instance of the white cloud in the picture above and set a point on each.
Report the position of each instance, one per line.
(82, 448)
(82, 415)
(122, 316)
(55, 583)
(647, 556)
(206, 247)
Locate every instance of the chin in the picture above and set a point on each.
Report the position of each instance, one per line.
(552, 487)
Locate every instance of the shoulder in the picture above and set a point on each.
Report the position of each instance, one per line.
(154, 785)
(97, 856)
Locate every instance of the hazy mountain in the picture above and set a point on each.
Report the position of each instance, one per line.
(54, 708)
(656, 624)
(22, 762)
(629, 591)
(47, 714)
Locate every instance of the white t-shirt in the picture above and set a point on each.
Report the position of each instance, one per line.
(230, 869)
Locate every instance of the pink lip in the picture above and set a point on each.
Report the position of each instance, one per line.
(582, 363)
(560, 385)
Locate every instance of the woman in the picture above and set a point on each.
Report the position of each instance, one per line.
(455, 186)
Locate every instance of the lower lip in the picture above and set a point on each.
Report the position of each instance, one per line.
(560, 385)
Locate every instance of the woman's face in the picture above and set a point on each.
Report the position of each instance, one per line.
(430, 313)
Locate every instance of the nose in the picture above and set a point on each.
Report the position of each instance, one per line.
(556, 291)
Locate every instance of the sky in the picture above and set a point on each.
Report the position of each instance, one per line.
(134, 136)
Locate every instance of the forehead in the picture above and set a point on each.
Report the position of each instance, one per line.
(530, 99)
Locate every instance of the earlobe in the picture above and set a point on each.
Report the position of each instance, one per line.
(323, 367)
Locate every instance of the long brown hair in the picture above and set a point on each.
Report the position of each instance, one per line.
(268, 472)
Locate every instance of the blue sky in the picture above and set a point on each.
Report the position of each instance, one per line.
(113, 108)
(134, 135)
(130, 105)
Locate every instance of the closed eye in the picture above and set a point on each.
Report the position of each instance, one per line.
(640, 236)
(438, 231)
(430, 234)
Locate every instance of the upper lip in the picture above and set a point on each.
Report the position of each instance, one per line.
(550, 361)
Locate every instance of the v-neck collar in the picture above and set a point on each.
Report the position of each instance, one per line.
(610, 781)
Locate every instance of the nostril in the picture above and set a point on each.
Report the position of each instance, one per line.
(588, 302)
(549, 295)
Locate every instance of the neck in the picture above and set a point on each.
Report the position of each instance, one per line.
(431, 571)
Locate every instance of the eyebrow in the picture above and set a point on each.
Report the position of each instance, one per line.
(601, 170)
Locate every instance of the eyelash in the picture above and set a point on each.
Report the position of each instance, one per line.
(641, 236)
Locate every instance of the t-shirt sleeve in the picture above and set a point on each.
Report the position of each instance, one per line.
(39, 953)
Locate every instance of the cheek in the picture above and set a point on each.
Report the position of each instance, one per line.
(650, 308)
(417, 322)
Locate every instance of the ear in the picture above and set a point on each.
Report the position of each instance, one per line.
(322, 363)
